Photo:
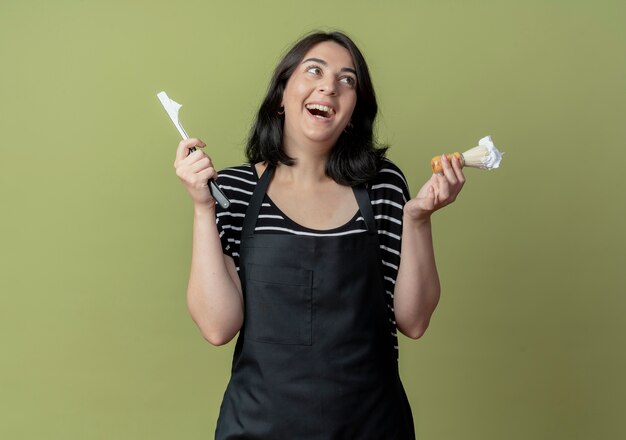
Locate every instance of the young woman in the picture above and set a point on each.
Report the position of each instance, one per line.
(307, 264)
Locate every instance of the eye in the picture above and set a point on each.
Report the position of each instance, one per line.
(349, 80)
(315, 70)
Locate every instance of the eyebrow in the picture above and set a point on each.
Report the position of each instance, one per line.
(324, 63)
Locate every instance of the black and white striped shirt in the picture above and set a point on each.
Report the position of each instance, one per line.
(388, 193)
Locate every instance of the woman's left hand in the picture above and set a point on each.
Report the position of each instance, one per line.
(439, 191)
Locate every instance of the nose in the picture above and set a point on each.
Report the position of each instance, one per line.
(327, 86)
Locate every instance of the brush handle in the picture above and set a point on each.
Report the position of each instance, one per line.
(435, 162)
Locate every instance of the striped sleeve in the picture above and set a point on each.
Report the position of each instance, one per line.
(389, 193)
(237, 183)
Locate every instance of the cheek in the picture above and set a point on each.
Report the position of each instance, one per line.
(351, 105)
(298, 92)
(294, 92)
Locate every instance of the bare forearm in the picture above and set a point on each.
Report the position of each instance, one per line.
(417, 286)
(214, 293)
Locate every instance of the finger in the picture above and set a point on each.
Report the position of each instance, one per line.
(195, 156)
(183, 147)
(448, 171)
(196, 179)
(443, 189)
(201, 164)
(424, 188)
(458, 170)
(429, 200)
(202, 178)
(208, 174)
(435, 183)
(191, 159)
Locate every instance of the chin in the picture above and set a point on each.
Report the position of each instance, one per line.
(323, 136)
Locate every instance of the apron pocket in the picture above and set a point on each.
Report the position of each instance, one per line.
(278, 304)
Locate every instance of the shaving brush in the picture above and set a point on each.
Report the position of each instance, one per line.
(484, 156)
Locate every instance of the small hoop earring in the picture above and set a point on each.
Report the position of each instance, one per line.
(281, 111)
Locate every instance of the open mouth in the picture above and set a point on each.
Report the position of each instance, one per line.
(320, 111)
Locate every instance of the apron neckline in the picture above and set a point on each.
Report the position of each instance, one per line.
(260, 192)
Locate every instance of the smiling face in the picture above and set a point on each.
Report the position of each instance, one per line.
(319, 98)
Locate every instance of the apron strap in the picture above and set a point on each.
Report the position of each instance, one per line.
(365, 206)
(254, 207)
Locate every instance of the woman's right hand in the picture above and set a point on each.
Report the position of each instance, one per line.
(195, 170)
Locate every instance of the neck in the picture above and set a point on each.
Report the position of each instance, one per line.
(310, 164)
(307, 171)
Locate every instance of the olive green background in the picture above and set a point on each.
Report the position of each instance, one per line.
(95, 339)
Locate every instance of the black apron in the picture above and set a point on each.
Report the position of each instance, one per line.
(315, 357)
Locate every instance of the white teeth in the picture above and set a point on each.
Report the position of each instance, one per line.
(322, 108)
